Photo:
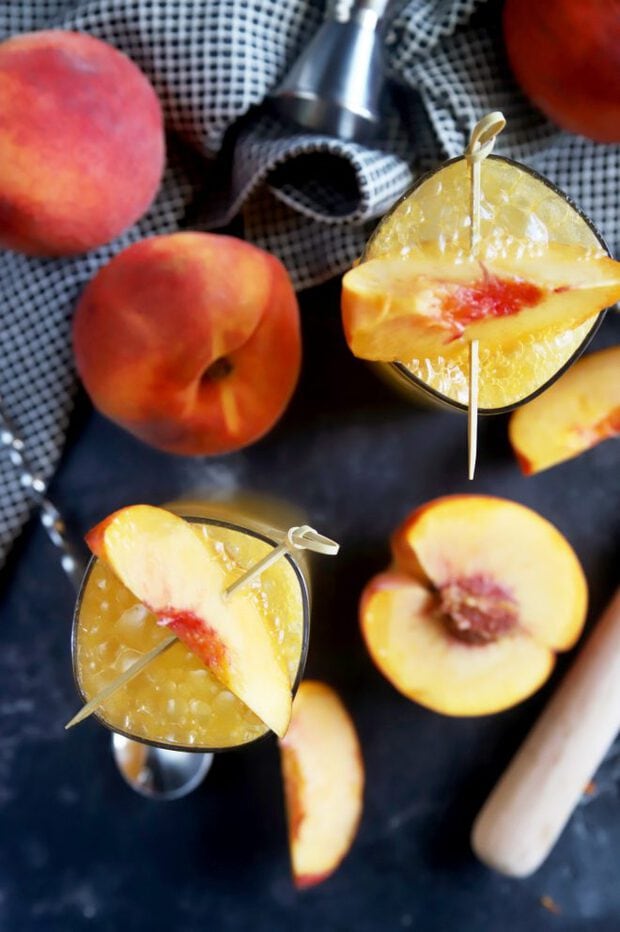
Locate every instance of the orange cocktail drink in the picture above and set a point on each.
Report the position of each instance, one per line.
(177, 702)
(527, 227)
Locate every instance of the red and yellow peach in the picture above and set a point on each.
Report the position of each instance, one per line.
(81, 143)
(190, 341)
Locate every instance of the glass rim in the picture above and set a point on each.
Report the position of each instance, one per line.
(303, 657)
(434, 394)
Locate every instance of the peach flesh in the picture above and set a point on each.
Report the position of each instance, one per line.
(293, 779)
(431, 302)
(323, 776)
(492, 296)
(199, 636)
(414, 648)
(481, 595)
(159, 558)
(580, 411)
(590, 435)
(605, 428)
(498, 538)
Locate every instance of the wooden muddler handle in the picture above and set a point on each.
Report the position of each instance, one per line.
(526, 812)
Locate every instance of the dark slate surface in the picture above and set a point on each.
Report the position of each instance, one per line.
(81, 851)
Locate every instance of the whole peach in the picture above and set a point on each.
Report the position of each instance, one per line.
(565, 54)
(81, 143)
(190, 341)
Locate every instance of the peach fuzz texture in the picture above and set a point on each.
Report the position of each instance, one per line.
(565, 54)
(153, 322)
(82, 146)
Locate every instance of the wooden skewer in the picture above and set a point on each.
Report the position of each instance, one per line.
(472, 409)
(297, 538)
(480, 145)
(129, 674)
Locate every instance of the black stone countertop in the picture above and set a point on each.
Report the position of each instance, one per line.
(80, 851)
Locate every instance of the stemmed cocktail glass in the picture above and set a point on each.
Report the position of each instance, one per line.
(169, 720)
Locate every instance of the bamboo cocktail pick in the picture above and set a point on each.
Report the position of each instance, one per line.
(297, 538)
(480, 145)
(472, 409)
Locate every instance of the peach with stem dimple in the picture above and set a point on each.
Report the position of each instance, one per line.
(190, 341)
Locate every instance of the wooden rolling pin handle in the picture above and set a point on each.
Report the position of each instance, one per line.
(526, 812)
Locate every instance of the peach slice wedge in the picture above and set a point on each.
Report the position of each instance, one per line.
(427, 304)
(159, 558)
(323, 782)
(579, 411)
(482, 593)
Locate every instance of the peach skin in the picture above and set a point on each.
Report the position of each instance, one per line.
(190, 341)
(81, 143)
(565, 54)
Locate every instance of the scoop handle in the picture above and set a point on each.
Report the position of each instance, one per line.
(534, 799)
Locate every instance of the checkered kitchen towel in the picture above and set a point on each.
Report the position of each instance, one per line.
(310, 199)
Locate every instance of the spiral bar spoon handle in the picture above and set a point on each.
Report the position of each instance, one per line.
(71, 560)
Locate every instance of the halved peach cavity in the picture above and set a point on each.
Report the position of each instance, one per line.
(481, 595)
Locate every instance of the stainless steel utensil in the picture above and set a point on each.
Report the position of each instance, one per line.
(158, 773)
(154, 772)
(73, 558)
(336, 84)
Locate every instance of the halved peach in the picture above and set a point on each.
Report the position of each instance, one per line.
(159, 558)
(427, 304)
(323, 782)
(482, 593)
(579, 411)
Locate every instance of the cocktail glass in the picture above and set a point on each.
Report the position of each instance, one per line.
(168, 721)
(519, 208)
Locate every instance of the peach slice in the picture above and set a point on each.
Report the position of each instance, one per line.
(429, 303)
(323, 782)
(579, 411)
(157, 556)
(482, 594)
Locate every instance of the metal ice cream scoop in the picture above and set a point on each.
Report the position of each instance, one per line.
(335, 86)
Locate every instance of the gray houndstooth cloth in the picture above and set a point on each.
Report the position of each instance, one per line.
(311, 200)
